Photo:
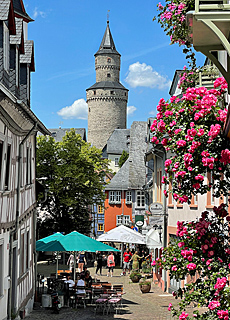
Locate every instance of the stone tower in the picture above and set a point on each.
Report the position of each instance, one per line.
(107, 98)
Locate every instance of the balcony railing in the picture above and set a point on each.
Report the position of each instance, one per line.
(213, 5)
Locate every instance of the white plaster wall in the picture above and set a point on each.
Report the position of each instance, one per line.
(112, 166)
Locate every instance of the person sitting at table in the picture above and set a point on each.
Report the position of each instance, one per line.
(80, 283)
(84, 271)
(70, 282)
(88, 279)
(88, 284)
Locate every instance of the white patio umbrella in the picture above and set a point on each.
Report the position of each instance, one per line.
(122, 234)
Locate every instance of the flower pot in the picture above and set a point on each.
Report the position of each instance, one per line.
(135, 279)
(145, 287)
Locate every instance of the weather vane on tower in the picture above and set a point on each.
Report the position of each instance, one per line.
(108, 16)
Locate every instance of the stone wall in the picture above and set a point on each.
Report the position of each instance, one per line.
(105, 115)
(107, 65)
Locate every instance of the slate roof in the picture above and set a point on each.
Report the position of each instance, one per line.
(107, 44)
(138, 147)
(59, 133)
(18, 6)
(132, 174)
(107, 85)
(121, 179)
(118, 141)
(16, 39)
(20, 9)
(4, 9)
(27, 57)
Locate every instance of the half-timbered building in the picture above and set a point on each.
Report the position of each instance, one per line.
(18, 128)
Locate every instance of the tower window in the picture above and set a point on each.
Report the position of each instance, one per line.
(108, 75)
(109, 60)
(125, 93)
(111, 92)
(94, 92)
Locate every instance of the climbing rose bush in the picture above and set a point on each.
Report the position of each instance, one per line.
(172, 17)
(190, 129)
(190, 77)
(202, 252)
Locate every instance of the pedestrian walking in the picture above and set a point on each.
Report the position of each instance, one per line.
(82, 261)
(110, 264)
(126, 262)
(70, 262)
(99, 258)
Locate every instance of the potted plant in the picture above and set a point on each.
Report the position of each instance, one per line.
(145, 285)
(135, 276)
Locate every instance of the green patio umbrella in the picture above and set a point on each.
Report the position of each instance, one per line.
(51, 243)
(76, 241)
(52, 237)
(50, 246)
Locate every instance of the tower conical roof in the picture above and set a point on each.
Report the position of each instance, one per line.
(107, 44)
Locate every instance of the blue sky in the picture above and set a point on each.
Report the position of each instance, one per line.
(68, 33)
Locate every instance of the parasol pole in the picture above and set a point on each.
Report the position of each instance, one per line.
(122, 252)
(74, 266)
(57, 264)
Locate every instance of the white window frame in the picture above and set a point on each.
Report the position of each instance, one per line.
(6, 47)
(140, 197)
(128, 197)
(112, 196)
(115, 197)
(22, 253)
(116, 160)
(118, 196)
(123, 221)
(8, 187)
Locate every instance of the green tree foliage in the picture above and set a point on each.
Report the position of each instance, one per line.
(74, 174)
(123, 158)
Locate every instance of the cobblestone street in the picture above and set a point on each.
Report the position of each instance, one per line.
(136, 305)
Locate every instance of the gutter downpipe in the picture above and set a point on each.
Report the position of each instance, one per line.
(9, 304)
(164, 219)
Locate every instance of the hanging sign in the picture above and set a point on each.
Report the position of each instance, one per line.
(156, 208)
(139, 220)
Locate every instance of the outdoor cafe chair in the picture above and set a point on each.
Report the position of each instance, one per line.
(80, 297)
(113, 304)
(101, 305)
(96, 292)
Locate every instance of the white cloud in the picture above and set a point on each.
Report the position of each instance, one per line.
(131, 110)
(78, 110)
(153, 113)
(142, 75)
(38, 13)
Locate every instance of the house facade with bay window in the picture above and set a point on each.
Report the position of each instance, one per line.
(18, 129)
